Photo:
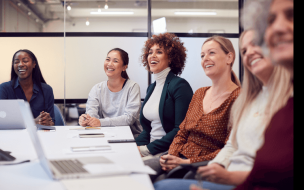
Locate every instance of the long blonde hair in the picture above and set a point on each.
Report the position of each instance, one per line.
(279, 92)
(227, 47)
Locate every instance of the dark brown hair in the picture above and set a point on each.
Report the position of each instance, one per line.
(125, 59)
(173, 47)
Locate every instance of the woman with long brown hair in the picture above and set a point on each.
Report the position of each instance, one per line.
(114, 102)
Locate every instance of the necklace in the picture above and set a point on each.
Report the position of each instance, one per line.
(260, 108)
(216, 99)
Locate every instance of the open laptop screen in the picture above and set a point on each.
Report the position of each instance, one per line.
(32, 129)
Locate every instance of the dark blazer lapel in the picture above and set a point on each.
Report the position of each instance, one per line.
(163, 96)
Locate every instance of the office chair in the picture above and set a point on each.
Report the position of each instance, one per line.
(59, 121)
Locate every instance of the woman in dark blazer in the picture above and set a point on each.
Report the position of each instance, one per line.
(167, 99)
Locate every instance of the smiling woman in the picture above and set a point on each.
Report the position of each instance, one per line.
(27, 83)
(167, 99)
(115, 102)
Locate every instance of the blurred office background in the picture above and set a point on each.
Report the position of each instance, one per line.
(72, 38)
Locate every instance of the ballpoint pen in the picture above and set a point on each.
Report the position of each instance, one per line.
(166, 160)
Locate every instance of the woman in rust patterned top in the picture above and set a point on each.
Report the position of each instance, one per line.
(205, 129)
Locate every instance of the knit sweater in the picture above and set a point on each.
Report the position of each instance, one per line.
(273, 168)
(116, 108)
(249, 137)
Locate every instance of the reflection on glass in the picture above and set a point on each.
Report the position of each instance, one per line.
(198, 16)
(81, 16)
(105, 16)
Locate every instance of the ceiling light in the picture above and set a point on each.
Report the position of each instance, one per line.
(69, 7)
(195, 13)
(87, 23)
(112, 13)
(29, 13)
(106, 6)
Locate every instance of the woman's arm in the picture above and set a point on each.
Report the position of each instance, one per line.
(223, 159)
(225, 153)
(47, 117)
(50, 104)
(3, 91)
(217, 174)
(131, 111)
(93, 102)
(182, 135)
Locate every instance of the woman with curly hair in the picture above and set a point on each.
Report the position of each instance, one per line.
(167, 99)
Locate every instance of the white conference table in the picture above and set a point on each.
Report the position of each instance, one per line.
(31, 175)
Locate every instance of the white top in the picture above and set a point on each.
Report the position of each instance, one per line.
(151, 108)
(116, 108)
(249, 137)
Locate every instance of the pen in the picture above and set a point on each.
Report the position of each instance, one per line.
(166, 160)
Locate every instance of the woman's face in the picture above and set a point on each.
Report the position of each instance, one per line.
(279, 33)
(158, 59)
(23, 65)
(214, 60)
(253, 58)
(113, 65)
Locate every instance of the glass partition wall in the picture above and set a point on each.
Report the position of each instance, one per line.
(71, 39)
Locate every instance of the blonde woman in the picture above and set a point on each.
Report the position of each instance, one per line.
(250, 115)
(274, 164)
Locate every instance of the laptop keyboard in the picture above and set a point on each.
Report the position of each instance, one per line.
(69, 166)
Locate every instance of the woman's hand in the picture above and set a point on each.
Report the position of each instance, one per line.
(214, 173)
(217, 174)
(84, 119)
(168, 162)
(93, 122)
(194, 187)
(44, 119)
(139, 151)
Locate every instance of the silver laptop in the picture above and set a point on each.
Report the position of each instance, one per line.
(10, 115)
(63, 168)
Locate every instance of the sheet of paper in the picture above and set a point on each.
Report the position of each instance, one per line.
(114, 183)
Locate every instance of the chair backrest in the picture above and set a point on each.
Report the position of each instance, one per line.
(58, 117)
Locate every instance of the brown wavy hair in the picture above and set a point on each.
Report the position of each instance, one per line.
(173, 47)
